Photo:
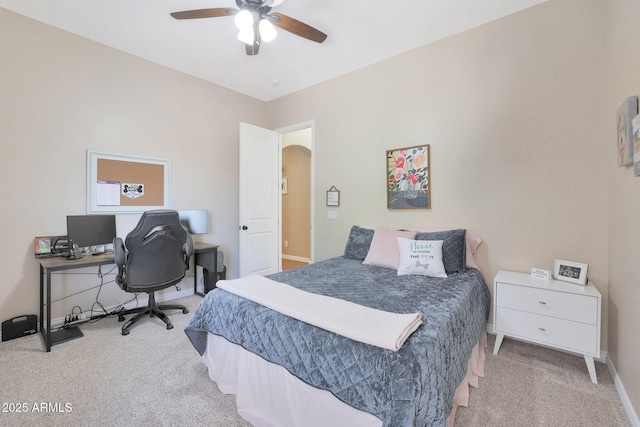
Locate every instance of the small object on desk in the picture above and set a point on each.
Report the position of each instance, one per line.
(538, 273)
(42, 246)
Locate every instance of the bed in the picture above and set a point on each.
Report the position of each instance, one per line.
(288, 372)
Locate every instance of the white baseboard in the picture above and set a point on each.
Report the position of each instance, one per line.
(624, 397)
(296, 258)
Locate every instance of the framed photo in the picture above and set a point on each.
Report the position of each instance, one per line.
(569, 271)
(624, 117)
(636, 145)
(333, 196)
(408, 178)
(42, 246)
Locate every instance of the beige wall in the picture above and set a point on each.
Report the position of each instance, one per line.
(623, 66)
(296, 204)
(514, 112)
(61, 95)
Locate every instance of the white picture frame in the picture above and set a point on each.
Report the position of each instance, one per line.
(157, 192)
(569, 271)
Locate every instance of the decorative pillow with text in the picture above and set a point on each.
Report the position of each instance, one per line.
(421, 257)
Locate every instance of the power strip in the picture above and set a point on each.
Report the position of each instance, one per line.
(142, 301)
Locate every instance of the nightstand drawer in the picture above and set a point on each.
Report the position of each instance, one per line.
(574, 307)
(566, 334)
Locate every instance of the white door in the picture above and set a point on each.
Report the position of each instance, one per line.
(259, 201)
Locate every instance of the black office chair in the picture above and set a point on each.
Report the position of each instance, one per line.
(156, 256)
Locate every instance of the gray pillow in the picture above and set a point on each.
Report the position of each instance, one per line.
(453, 248)
(358, 243)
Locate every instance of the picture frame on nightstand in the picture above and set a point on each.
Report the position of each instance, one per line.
(569, 271)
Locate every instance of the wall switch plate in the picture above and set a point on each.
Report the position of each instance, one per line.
(332, 214)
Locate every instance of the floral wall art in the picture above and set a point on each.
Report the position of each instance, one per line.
(408, 179)
(625, 114)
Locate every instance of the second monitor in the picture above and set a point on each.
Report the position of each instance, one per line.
(91, 232)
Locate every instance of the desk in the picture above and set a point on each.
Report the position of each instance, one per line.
(49, 265)
(205, 255)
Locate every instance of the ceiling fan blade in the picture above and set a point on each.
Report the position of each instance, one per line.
(298, 28)
(204, 13)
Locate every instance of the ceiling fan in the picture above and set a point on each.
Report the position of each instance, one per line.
(256, 23)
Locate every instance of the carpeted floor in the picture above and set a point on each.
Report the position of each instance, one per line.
(530, 386)
(154, 377)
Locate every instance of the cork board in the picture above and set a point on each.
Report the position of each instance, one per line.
(119, 184)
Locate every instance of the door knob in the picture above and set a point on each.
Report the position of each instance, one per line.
(244, 227)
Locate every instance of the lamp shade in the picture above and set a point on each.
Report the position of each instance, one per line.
(246, 35)
(267, 30)
(195, 221)
(244, 19)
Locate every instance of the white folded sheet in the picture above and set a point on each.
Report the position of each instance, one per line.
(368, 325)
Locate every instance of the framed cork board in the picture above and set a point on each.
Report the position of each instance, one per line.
(126, 184)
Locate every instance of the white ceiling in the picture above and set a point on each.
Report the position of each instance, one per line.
(359, 32)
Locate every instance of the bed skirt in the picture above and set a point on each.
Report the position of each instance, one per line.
(267, 395)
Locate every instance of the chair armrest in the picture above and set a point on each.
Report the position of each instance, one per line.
(119, 253)
(119, 256)
(188, 249)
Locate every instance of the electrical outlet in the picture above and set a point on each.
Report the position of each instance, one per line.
(286, 243)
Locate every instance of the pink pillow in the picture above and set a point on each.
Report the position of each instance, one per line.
(384, 250)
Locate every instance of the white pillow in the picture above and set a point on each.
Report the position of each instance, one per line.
(423, 257)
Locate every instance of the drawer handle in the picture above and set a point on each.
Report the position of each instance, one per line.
(542, 302)
(542, 329)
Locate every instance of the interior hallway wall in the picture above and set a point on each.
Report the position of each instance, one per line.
(296, 204)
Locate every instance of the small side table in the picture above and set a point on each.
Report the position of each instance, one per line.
(555, 314)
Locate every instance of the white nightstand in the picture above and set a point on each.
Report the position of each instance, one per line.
(549, 312)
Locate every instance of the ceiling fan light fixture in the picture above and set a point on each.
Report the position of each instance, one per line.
(244, 19)
(267, 30)
(246, 35)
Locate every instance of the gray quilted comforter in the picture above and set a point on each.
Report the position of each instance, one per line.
(411, 387)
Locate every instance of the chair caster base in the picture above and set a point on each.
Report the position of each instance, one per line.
(125, 332)
(185, 311)
(169, 326)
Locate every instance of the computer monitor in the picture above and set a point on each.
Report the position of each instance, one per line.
(91, 232)
(195, 221)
